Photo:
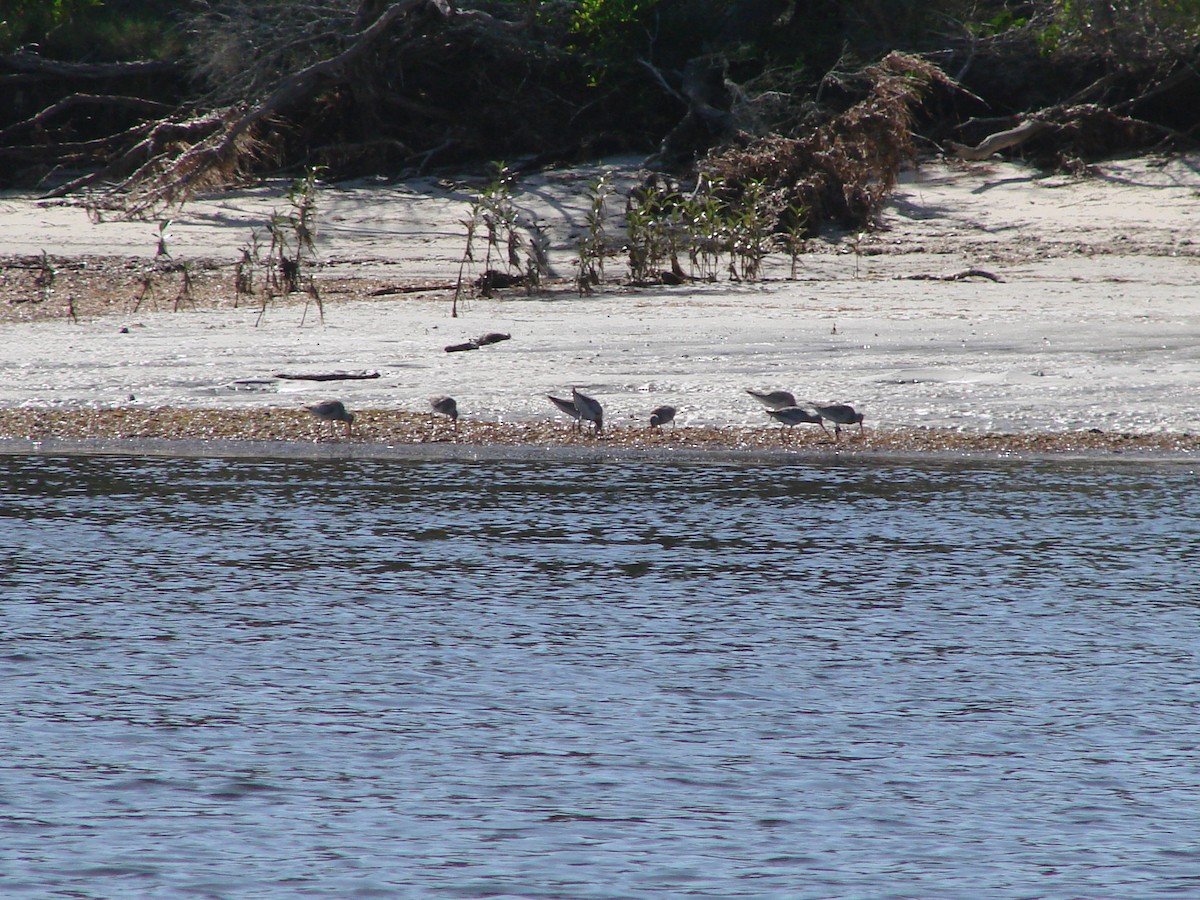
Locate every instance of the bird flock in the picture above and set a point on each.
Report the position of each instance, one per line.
(782, 407)
(583, 409)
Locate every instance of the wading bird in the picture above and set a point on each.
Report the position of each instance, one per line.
(773, 399)
(590, 409)
(791, 416)
(332, 411)
(840, 414)
(447, 407)
(566, 406)
(661, 415)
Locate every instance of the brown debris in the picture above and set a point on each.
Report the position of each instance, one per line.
(844, 171)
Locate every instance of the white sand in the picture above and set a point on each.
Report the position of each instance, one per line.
(1097, 322)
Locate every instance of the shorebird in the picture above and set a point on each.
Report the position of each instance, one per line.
(446, 407)
(332, 411)
(773, 399)
(791, 416)
(567, 406)
(590, 410)
(661, 415)
(840, 414)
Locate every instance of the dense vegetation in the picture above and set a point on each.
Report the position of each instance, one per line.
(813, 102)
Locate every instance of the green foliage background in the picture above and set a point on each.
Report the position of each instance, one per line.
(615, 35)
(92, 30)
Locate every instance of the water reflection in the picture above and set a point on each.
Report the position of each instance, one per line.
(281, 679)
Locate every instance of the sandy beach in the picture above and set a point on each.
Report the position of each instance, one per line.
(1085, 339)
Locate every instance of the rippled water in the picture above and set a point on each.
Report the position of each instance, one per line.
(278, 679)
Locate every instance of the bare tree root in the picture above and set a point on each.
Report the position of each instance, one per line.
(66, 104)
(1065, 137)
(65, 115)
(180, 159)
(155, 145)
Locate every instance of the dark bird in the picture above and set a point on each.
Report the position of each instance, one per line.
(773, 399)
(332, 411)
(566, 406)
(447, 407)
(791, 416)
(840, 414)
(661, 415)
(590, 410)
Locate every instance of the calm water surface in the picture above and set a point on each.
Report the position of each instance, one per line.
(280, 679)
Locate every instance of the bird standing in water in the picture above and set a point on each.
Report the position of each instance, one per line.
(773, 399)
(332, 411)
(661, 415)
(445, 406)
(791, 416)
(840, 414)
(590, 410)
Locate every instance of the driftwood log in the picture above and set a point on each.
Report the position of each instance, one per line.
(329, 376)
(1001, 140)
(955, 276)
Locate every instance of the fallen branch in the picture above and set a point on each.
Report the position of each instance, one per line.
(107, 101)
(141, 156)
(956, 276)
(1001, 140)
(29, 63)
(409, 289)
(492, 337)
(329, 376)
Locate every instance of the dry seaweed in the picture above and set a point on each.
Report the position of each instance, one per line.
(844, 170)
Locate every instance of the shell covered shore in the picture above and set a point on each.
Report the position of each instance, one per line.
(391, 427)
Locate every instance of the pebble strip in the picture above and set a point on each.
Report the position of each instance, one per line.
(397, 427)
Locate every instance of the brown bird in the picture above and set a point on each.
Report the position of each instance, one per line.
(840, 414)
(566, 406)
(661, 415)
(332, 411)
(773, 399)
(445, 406)
(791, 416)
(590, 410)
